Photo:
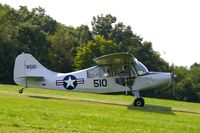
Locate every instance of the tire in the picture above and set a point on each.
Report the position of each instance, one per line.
(139, 102)
(20, 91)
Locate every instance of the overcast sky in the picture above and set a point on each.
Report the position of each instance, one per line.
(173, 26)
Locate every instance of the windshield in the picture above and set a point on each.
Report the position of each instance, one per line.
(140, 68)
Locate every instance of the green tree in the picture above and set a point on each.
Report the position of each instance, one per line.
(186, 86)
(102, 26)
(7, 58)
(37, 17)
(126, 41)
(63, 48)
(195, 75)
(83, 34)
(23, 31)
(31, 39)
(124, 37)
(64, 45)
(93, 49)
(8, 20)
(189, 91)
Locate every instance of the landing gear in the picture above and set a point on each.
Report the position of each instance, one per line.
(21, 91)
(139, 102)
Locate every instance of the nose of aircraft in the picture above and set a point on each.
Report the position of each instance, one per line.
(163, 80)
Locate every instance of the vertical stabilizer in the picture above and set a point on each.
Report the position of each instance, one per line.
(26, 67)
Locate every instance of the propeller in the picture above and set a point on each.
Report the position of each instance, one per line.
(173, 80)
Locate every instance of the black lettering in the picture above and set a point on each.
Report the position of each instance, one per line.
(104, 82)
(31, 66)
(100, 83)
(96, 83)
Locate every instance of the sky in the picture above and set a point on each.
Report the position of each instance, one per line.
(173, 26)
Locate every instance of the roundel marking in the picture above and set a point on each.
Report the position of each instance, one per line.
(70, 82)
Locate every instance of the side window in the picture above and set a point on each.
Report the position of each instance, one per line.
(107, 70)
(124, 71)
(118, 70)
(95, 72)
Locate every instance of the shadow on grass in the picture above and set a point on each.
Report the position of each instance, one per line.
(45, 97)
(153, 108)
(147, 108)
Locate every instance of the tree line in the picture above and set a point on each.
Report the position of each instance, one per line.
(65, 48)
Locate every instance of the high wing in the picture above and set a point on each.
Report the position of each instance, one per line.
(116, 58)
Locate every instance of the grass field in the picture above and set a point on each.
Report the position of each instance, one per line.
(41, 110)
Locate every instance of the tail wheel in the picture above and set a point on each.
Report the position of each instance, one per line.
(139, 102)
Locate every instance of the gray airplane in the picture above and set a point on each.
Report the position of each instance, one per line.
(118, 72)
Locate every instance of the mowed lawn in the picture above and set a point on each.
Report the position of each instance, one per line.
(42, 110)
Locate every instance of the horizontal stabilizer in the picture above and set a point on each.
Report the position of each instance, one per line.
(36, 78)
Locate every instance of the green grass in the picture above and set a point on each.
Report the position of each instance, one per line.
(42, 110)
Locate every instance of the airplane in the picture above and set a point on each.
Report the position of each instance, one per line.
(117, 72)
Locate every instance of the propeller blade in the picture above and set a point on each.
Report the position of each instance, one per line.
(173, 80)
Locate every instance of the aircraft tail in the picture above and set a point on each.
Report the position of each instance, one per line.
(28, 69)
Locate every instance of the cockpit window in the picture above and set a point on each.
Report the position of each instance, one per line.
(140, 68)
(95, 72)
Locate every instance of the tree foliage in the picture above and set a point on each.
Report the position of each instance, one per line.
(187, 83)
(102, 26)
(95, 48)
(127, 41)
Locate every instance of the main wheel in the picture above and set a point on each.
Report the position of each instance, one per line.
(20, 91)
(139, 102)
